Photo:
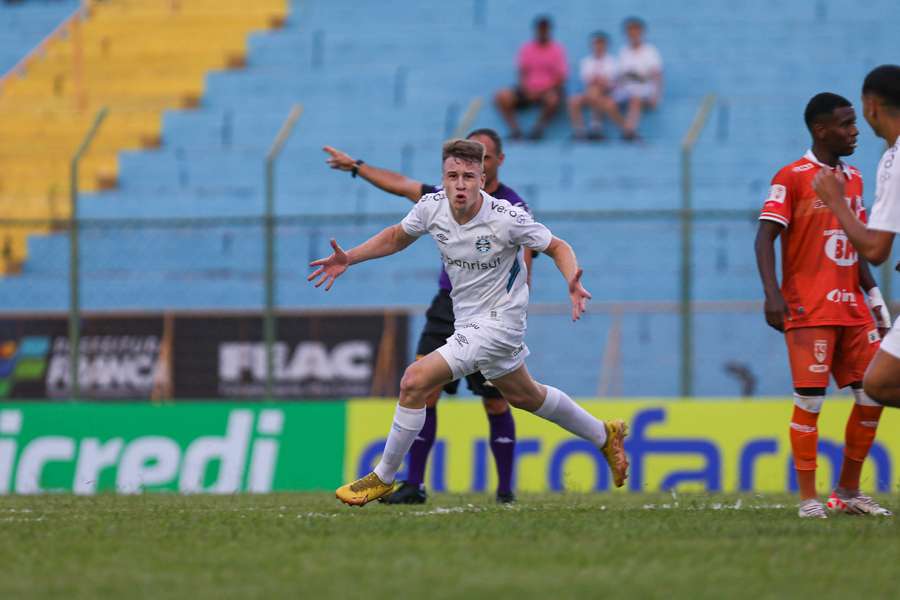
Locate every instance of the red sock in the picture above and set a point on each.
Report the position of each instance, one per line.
(804, 443)
(858, 438)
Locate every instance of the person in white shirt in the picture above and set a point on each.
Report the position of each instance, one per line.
(639, 84)
(482, 240)
(598, 73)
(881, 107)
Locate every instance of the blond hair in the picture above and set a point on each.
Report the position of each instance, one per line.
(468, 151)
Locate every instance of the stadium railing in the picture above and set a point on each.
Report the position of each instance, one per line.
(687, 185)
(269, 326)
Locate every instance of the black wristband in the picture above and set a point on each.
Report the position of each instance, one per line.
(355, 170)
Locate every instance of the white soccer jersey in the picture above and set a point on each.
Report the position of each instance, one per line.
(886, 217)
(484, 257)
(886, 210)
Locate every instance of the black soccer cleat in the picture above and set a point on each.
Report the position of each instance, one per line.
(407, 494)
(505, 498)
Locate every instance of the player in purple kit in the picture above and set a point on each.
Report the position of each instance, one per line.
(439, 327)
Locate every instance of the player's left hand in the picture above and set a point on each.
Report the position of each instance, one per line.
(578, 295)
(330, 268)
(829, 185)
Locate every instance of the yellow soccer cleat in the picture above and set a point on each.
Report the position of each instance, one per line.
(362, 491)
(614, 450)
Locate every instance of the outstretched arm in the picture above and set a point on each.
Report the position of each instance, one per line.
(390, 241)
(564, 258)
(389, 181)
(874, 246)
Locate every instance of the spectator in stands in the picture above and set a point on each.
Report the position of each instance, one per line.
(543, 69)
(639, 85)
(598, 74)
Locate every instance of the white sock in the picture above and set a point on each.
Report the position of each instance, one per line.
(408, 422)
(863, 398)
(566, 413)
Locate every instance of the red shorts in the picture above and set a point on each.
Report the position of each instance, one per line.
(844, 352)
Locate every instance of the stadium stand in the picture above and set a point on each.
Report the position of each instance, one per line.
(390, 98)
(135, 58)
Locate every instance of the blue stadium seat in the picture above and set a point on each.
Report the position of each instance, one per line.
(388, 82)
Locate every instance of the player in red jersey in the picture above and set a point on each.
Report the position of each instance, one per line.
(820, 305)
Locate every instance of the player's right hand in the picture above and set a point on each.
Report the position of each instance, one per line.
(330, 268)
(578, 295)
(777, 312)
(338, 160)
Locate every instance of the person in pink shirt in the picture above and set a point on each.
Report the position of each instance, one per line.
(542, 77)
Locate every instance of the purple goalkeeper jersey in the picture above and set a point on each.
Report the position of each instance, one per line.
(504, 192)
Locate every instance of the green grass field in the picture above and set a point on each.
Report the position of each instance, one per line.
(560, 546)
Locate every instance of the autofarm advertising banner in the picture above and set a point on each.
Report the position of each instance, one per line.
(687, 445)
(196, 356)
(219, 448)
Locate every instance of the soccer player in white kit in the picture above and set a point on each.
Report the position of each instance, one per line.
(881, 108)
(482, 242)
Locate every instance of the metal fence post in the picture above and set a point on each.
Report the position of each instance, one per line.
(468, 118)
(687, 234)
(75, 256)
(269, 326)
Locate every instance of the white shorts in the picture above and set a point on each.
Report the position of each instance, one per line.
(485, 346)
(645, 90)
(891, 342)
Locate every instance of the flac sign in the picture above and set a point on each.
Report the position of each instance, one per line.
(186, 448)
(315, 356)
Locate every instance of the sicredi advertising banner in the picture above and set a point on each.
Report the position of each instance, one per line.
(699, 446)
(186, 448)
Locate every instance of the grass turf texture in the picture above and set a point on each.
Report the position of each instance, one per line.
(548, 546)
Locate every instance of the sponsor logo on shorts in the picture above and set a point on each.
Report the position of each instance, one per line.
(483, 244)
(518, 350)
(818, 368)
(460, 339)
(820, 350)
(874, 336)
